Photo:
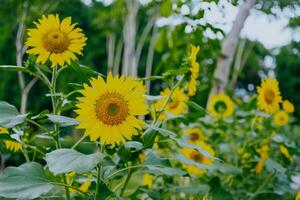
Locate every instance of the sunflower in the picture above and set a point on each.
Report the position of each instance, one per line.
(177, 104)
(10, 145)
(268, 98)
(197, 157)
(58, 41)
(108, 109)
(285, 152)
(148, 180)
(195, 135)
(281, 118)
(220, 105)
(298, 195)
(264, 155)
(194, 71)
(288, 106)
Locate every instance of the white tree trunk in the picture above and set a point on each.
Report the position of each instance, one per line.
(129, 35)
(110, 45)
(221, 73)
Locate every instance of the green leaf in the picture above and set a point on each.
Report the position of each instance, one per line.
(197, 107)
(137, 146)
(152, 159)
(12, 68)
(68, 160)
(9, 115)
(62, 120)
(217, 191)
(273, 166)
(27, 181)
(226, 168)
(169, 171)
(192, 189)
(104, 192)
(267, 196)
(84, 72)
(187, 161)
(166, 8)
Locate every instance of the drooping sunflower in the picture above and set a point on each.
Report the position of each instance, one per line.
(197, 157)
(108, 109)
(281, 118)
(298, 195)
(268, 98)
(221, 106)
(194, 135)
(10, 145)
(288, 106)
(148, 180)
(264, 155)
(176, 106)
(285, 152)
(194, 71)
(56, 40)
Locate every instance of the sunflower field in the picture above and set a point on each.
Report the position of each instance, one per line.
(160, 125)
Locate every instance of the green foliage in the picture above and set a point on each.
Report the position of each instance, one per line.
(27, 181)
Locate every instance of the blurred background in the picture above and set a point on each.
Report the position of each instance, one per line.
(250, 39)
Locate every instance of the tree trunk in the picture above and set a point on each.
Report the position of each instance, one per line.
(110, 43)
(129, 35)
(221, 73)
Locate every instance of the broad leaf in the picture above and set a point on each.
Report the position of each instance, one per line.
(9, 115)
(134, 145)
(70, 160)
(27, 181)
(62, 120)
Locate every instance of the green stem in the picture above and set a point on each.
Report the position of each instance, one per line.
(25, 153)
(126, 182)
(98, 186)
(79, 141)
(266, 180)
(38, 125)
(68, 186)
(56, 126)
(124, 169)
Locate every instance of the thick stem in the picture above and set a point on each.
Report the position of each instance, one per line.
(56, 126)
(126, 182)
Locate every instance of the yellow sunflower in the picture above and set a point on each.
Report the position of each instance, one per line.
(148, 180)
(54, 39)
(264, 155)
(268, 98)
(195, 135)
(194, 70)
(108, 109)
(177, 104)
(220, 105)
(288, 106)
(196, 156)
(10, 145)
(298, 195)
(281, 118)
(285, 152)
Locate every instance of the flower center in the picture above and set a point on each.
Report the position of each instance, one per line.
(197, 157)
(269, 96)
(111, 108)
(173, 105)
(220, 107)
(55, 41)
(194, 137)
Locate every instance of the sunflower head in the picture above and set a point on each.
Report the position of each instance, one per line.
(176, 106)
(268, 98)
(108, 109)
(288, 106)
(194, 71)
(221, 106)
(195, 135)
(9, 144)
(148, 180)
(264, 155)
(56, 40)
(197, 157)
(281, 118)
